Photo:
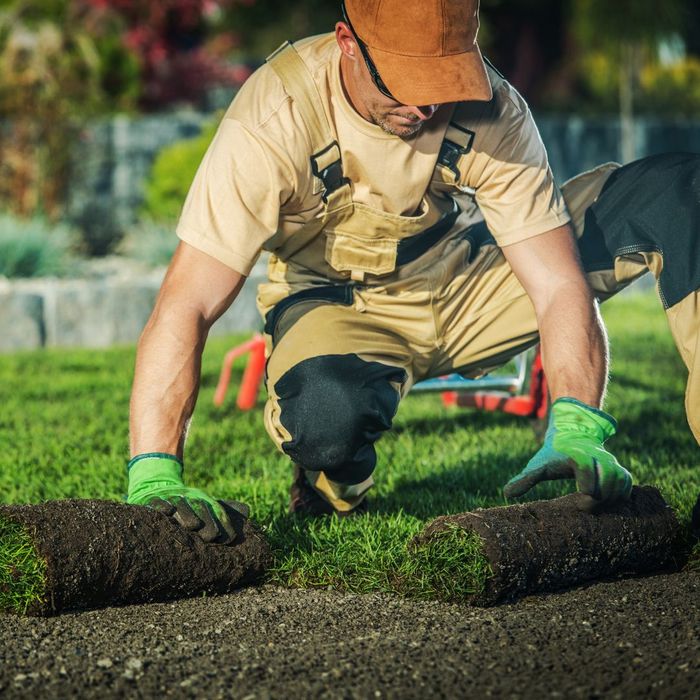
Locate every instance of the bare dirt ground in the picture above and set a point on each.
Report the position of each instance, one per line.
(624, 639)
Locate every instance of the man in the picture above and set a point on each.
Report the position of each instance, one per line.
(361, 161)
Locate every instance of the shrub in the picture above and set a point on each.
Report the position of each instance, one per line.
(172, 173)
(180, 49)
(34, 248)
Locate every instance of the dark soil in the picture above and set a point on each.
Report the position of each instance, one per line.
(548, 545)
(625, 639)
(103, 553)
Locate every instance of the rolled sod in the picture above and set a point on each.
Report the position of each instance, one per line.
(550, 545)
(75, 554)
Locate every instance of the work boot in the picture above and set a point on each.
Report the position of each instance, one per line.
(304, 499)
(695, 520)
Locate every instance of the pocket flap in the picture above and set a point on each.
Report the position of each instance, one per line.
(346, 253)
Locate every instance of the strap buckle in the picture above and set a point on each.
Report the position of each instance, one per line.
(328, 167)
(457, 142)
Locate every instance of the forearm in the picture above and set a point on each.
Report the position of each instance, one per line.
(166, 382)
(574, 346)
(196, 291)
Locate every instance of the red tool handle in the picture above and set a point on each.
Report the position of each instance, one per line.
(256, 347)
(252, 377)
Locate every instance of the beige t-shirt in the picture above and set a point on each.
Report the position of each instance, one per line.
(255, 180)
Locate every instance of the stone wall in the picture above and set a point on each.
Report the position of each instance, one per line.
(98, 312)
(113, 310)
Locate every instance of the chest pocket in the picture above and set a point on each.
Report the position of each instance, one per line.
(359, 255)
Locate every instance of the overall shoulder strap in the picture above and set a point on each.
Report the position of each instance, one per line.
(301, 87)
(458, 141)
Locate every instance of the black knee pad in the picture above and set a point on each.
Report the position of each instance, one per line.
(335, 407)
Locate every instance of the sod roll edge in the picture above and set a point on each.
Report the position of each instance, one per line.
(549, 545)
(74, 554)
(22, 570)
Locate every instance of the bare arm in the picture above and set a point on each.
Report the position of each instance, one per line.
(196, 291)
(574, 344)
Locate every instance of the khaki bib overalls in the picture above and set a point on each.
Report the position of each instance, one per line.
(361, 304)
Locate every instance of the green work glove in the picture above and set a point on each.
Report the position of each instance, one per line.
(573, 449)
(155, 480)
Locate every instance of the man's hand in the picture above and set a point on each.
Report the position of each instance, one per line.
(155, 480)
(573, 449)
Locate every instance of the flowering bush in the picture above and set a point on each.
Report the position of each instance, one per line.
(175, 42)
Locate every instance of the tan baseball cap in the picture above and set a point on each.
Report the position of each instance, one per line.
(425, 50)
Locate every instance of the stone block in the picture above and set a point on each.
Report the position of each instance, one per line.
(21, 321)
(98, 313)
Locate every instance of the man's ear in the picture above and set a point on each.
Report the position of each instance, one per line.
(346, 41)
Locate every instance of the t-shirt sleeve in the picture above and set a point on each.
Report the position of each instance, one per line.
(515, 189)
(233, 204)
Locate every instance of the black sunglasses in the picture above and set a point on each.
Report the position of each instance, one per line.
(374, 73)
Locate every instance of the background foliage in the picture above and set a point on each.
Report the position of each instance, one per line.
(173, 171)
(152, 53)
(66, 62)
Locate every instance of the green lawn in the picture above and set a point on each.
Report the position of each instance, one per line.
(63, 432)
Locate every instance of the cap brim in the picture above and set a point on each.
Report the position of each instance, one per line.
(427, 80)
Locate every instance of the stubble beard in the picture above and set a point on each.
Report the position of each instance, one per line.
(381, 119)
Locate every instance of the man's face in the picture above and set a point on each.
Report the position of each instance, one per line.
(391, 116)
